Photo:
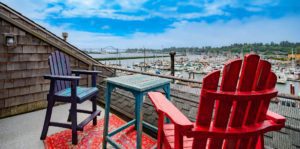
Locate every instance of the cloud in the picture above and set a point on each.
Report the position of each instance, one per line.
(104, 9)
(134, 10)
(215, 8)
(264, 2)
(105, 27)
(188, 28)
(32, 9)
(253, 9)
(40, 9)
(184, 33)
(103, 13)
(131, 5)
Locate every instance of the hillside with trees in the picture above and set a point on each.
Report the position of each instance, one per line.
(282, 48)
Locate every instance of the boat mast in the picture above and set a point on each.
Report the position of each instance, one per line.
(119, 57)
(144, 59)
(293, 58)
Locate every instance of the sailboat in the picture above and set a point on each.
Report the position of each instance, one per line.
(281, 77)
(292, 71)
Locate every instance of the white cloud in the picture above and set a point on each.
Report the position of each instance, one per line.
(215, 8)
(32, 9)
(264, 2)
(54, 9)
(90, 8)
(186, 33)
(88, 4)
(105, 27)
(131, 5)
(253, 9)
(38, 10)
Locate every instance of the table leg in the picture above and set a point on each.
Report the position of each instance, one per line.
(167, 90)
(139, 118)
(108, 91)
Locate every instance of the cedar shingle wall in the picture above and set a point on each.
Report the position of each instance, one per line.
(22, 87)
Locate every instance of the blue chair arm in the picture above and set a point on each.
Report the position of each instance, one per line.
(65, 78)
(89, 72)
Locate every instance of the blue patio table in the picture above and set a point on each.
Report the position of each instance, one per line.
(138, 85)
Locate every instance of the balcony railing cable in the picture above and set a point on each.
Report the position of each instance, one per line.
(281, 95)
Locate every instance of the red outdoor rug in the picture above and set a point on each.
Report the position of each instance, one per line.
(91, 137)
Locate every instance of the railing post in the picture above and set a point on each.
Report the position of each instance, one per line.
(292, 89)
(115, 73)
(172, 55)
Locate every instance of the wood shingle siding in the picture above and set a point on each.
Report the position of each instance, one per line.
(22, 87)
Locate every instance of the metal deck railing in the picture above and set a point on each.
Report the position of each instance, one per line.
(175, 86)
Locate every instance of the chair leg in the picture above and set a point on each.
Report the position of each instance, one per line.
(74, 122)
(94, 103)
(69, 116)
(47, 118)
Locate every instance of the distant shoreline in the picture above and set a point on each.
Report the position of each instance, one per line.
(132, 57)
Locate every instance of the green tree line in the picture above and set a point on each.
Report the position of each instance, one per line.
(272, 48)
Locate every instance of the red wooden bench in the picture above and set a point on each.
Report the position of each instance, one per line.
(233, 116)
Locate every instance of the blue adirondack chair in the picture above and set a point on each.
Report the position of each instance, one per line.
(64, 88)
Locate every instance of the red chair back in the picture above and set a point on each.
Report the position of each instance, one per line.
(235, 104)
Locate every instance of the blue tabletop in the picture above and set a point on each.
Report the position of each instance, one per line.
(138, 82)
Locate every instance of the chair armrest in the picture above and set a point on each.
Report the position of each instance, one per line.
(89, 72)
(234, 133)
(65, 78)
(275, 117)
(162, 104)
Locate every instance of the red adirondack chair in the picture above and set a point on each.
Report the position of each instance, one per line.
(234, 116)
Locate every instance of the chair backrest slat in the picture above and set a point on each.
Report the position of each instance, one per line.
(59, 65)
(262, 75)
(62, 67)
(271, 82)
(255, 107)
(68, 69)
(247, 78)
(59, 68)
(223, 108)
(206, 106)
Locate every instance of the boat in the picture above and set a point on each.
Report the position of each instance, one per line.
(178, 67)
(292, 77)
(207, 69)
(154, 71)
(281, 78)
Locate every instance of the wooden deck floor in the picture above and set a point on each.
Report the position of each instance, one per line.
(23, 131)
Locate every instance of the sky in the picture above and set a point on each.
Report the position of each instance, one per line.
(165, 23)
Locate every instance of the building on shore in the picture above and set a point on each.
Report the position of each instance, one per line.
(296, 57)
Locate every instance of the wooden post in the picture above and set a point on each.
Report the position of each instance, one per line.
(172, 55)
(191, 75)
(292, 89)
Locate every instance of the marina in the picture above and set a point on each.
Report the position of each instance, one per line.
(195, 67)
